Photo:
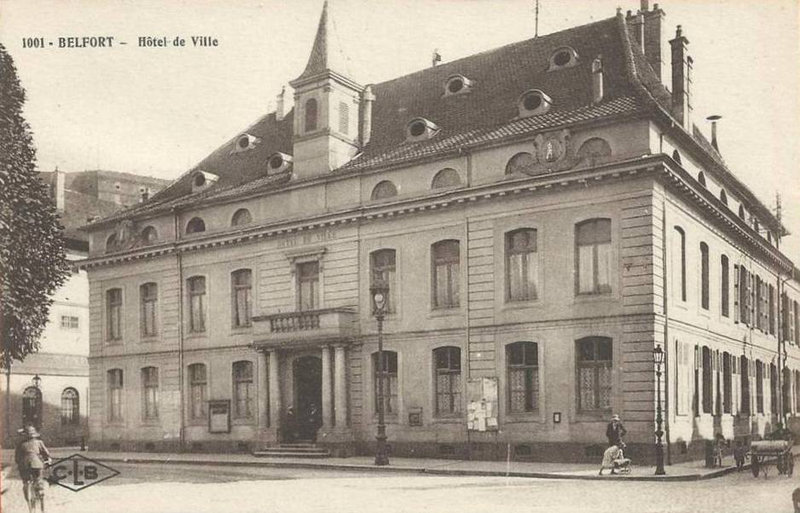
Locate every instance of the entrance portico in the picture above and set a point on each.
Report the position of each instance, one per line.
(306, 383)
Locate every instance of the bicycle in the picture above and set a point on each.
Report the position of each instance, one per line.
(35, 493)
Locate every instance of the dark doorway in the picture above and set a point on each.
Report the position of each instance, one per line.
(307, 398)
(32, 407)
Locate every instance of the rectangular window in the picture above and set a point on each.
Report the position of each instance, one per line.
(745, 385)
(708, 385)
(679, 261)
(759, 303)
(384, 269)
(796, 321)
(522, 363)
(704, 279)
(148, 294)
(521, 265)
(593, 255)
(785, 312)
(773, 389)
(724, 286)
(150, 393)
(736, 293)
(198, 387)
(727, 383)
(389, 377)
(241, 297)
(243, 389)
(759, 387)
(697, 384)
(448, 380)
(797, 390)
(594, 374)
(69, 322)
(197, 304)
(683, 383)
(744, 295)
(114, 377)
(344, 118)
(308, 286)
(114, 314)
(446, 259)
(771, 320)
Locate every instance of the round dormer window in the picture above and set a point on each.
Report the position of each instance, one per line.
(455, 85)
(243, 142)
(562, 57)
(417, 128)
(199, 180)
(276, 162)
(532, 101)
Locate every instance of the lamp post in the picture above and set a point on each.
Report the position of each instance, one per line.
(380, 292)
(658, 359)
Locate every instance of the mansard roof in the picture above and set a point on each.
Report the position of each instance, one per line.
(487, 114)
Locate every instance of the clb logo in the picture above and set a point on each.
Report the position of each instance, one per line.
(77, 472)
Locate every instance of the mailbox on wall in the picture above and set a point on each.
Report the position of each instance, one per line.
(415, 416)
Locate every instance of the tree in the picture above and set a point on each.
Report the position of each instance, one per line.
(32, 257)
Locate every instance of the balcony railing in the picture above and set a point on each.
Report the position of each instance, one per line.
(304, 327)
(296, 321)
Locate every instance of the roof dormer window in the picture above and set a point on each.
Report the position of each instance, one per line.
(564, 57)
(457, 84)
(533, 103)
(245, 142)
(202, 180)
(420, 129)
(278, 162)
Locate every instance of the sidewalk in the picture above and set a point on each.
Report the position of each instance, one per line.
(690, 471)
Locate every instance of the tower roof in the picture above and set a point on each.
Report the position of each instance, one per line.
(326, 54)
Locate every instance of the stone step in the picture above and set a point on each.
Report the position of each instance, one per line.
(272, 453)
(284, 448)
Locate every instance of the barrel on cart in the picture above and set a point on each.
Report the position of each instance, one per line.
(764, 453)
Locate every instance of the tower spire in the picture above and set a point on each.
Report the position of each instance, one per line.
(326, 54)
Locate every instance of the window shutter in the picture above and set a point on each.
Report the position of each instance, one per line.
(735, 293)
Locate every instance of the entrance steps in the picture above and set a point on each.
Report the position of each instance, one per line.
(293, 450)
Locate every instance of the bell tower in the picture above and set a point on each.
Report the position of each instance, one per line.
(326, 128)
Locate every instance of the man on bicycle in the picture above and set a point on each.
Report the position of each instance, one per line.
(30, 457)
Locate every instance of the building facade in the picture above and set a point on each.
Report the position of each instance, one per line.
(545, 214)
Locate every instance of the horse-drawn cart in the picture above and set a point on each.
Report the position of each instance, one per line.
(764, 453)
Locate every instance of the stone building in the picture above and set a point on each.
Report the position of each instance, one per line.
(546, 214)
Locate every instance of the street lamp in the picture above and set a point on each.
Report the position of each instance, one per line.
(37, 381)
(658, 359)
(379, 291)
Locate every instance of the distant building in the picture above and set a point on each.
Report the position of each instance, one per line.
(121, 188)
(50, 388)
(546, 215)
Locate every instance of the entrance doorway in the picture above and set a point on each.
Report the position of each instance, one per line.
(307, 373)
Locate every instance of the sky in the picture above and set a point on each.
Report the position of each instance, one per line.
(159, 111)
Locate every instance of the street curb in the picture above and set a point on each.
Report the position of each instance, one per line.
(421, 470)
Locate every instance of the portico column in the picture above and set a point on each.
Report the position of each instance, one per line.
(274, 390)
(327, 392)
(340, 379)
(264, 407)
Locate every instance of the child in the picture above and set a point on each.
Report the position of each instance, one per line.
(614, 459)
(738, 454)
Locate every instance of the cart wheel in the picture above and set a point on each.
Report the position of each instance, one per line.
(754, 466)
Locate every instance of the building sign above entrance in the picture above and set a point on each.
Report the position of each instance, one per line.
(293, 241)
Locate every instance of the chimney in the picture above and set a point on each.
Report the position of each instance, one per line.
(436, 58)
(714, 120)
(654, 40)
(144, 194)
(597, 80)
(367, 99)
(59, 184)
(681, 79)
(280, 105)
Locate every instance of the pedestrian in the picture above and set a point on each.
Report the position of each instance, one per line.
(615, 431)
(738, 454)
(719, 448)
(30, 456)
(290, 430)
(614, 459)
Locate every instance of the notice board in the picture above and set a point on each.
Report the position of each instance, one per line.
(482, 404)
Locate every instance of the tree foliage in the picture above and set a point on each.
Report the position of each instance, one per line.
(32, 256)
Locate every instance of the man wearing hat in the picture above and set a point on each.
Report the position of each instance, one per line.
(615, 431)
(30, 457)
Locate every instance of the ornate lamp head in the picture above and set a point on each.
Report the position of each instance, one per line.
(379, 290)
(658, 355)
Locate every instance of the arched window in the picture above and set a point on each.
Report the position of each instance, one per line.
(679, 256)
(384, 268)
(241, 294)
(723, 196)
(594, 364)
(70, 407)
(241, 217)
(522, 265)
(195, 225)
(522, 367)
(32, 407)
(522, 162)
(383, 190)
(198, 388)
(594, 150)
(447, 177)
(111, 243)
(676, 157)
(445, 257)
(243, 390)
(701, 177)
(389, 376)
(149, 234)
(311, 114)
(447, 362)
(593, 256)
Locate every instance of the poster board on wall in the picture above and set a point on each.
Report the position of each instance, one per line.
(482, 404)
(219, 416)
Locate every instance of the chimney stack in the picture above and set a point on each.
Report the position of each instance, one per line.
(714, 120)
(681, 79)
(597, 80)
(640, 31)
(59, 184)
(280, 105)
(367, 99)
(144, 194)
